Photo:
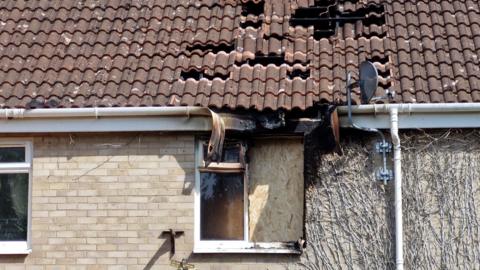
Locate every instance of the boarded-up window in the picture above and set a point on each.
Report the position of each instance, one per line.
(250, 199)
(276, 190)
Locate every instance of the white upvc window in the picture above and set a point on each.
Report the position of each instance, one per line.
(221, 204)
(15, 196)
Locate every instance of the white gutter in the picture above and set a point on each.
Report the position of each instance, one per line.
(105, 112)
(414, 116)
(105, 119)
(119, 119)
(397, 168)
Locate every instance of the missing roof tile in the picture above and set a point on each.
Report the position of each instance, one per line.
(297, 73)
(254, 24)
(191, 74)
(381, 60)
(252, 8)
(206, 48)
(264, 60)
(197, 75)
(384, 73)
(327, 17)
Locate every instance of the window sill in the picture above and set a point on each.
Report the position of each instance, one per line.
(263, 248)
(14, 248)
(250, 250)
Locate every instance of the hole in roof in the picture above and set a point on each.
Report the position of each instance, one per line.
(252, 8)
(326, 17)
(264, 60)
(382, 60)
(385, 73)
(253, 24)
(212, 48)
(197, 75)
(297, 73)
(191, 74)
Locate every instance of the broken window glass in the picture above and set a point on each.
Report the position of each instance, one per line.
(222, 206)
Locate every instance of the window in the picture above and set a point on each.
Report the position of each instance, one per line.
(15, 191)
(225, 219)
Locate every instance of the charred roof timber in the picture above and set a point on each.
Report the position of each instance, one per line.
(327, 16)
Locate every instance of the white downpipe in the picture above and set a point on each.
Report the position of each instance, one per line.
(397, 167)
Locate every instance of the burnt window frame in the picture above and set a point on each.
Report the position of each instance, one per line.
(240, 167)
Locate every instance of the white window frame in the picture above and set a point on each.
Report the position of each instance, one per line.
(19, 247)
(229, 246)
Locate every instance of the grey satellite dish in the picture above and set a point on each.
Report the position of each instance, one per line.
(368, 81)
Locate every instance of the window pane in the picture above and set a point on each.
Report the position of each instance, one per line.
(221, 206)
(13, 206)
(12, 154)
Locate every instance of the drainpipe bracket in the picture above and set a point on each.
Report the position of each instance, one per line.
(384, 175)
(383, 147)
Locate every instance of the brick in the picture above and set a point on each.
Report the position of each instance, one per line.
(112, 216)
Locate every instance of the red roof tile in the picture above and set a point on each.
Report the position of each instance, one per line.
(253, 54)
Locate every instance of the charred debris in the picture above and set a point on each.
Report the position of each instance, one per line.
(318, 126)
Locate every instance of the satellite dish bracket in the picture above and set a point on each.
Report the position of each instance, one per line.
(367, 91)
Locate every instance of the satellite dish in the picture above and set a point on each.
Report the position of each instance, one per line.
(368, 81)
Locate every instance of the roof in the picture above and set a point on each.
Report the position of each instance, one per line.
(234, 54)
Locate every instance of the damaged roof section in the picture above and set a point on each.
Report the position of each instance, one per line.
(258, 55)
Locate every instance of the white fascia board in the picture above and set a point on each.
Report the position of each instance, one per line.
(416, 120)
(106, 124)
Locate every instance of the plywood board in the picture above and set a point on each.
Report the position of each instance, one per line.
(276, 190)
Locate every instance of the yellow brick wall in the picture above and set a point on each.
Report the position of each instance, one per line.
(101, 202)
